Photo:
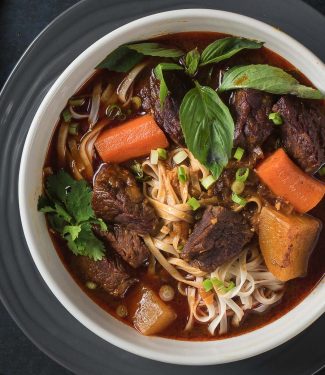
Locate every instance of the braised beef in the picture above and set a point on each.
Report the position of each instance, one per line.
(117, 198)
(303, 132)
(167, 117)
(127, 244)
(108, 273)
(250, 109)
(220, 235)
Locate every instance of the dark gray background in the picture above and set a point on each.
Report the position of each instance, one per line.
(20, 22)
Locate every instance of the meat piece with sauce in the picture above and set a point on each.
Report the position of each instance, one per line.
(250, 109)
(128, 244)
(220, 235)
(117, 198)
(108, 273)
(167, 117)
(303, 132)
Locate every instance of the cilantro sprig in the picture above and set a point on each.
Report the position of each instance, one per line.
(67, 203)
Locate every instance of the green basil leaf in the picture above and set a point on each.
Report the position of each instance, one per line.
(224, 48)
(121, 60)
(208, 127)
(192, 60)
(163, 90)
(155, 49)
(266, 78)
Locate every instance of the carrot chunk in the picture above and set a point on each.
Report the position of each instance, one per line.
(285, 179)
(132, 139)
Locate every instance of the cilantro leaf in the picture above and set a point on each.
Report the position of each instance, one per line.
(67, 203)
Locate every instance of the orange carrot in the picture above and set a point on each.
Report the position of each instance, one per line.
(287, 180)
(132, 139)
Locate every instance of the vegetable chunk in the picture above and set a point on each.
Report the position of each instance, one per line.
(152, 315)
(287, 180)
(286, 242)
(132, 139)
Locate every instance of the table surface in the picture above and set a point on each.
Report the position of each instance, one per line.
(20, 22)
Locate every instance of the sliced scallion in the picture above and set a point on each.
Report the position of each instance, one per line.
(239, 153)
(162, 153)
(237, 187)
(182, 176)
(208, 181)
(242, 174)
(180, 157)
(207, 285)
(276, 118)
(66, 114)
(73, 128)
(237, 199)
(154, 156)
(193, 203)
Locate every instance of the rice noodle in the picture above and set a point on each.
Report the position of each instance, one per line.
(76, 115)
(61, 144)
(95, 104)
(84, 151)
(123, 90)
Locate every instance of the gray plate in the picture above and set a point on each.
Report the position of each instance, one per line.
(25, 295)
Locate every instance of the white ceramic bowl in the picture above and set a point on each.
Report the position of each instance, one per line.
(39, 242)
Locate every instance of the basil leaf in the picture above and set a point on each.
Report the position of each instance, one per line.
(155, 49)
(208, 127)
(224, 48)
(192, 60)
(121, 60)
(163, 90)
(266, 78)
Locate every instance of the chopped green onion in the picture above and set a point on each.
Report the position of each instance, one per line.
(91, 285)
(76, 102)
(276, 118)
(208, 181)
(193, 203)
(73, 128)
(237, 187)
(154, 157)
(322, 171)
(242, 174)
(207, 285)
(237, 199)
(136, 101)
(221, 286)
(66, 114)
(180, 157)
(114, 111)
(182, 176)
(239, 153)
(162, 153)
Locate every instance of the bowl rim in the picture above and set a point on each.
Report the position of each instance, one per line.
(251, 350)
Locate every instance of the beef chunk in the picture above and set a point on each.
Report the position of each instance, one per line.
(127, 244)
(250, 109)
(117, 198)
(107, 273)
(303, 132)
(167, 117)
(217, 237)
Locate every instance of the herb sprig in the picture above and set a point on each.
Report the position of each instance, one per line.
(68, 205)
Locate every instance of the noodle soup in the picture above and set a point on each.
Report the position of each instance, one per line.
(162, 193)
